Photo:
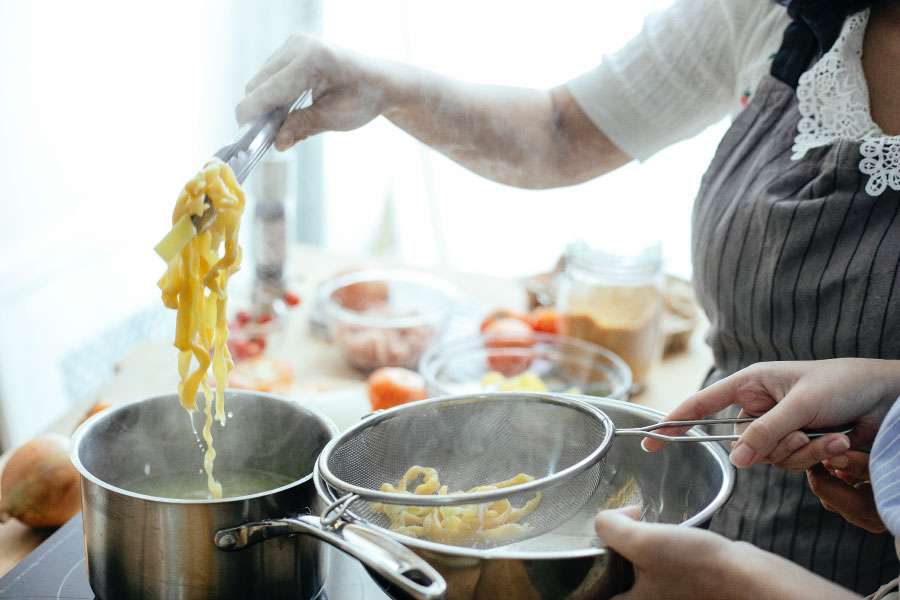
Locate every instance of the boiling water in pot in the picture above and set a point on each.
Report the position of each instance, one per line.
(192, 486)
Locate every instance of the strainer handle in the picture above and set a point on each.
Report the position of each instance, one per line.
(647, 431)
(390, 559)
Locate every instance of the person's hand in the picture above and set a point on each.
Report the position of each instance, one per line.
(790, 396)
(842, 484)
(347, 89)
(675, 562)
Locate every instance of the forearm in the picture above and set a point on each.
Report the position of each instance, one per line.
(527, 138)
(521, 137)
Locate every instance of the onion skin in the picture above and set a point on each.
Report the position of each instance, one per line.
(39, 485)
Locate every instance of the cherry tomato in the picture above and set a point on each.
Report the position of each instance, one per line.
(392, 386)
(545, 319)
(509, 332)
(242, 348)
(291, 299)
(503, 313)
(242, 317)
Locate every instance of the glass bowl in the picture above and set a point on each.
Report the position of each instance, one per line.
(540, 362)
(386, 317)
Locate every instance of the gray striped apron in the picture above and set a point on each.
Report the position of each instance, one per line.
(794, 261)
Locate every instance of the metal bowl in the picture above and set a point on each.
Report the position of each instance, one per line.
(681, 484)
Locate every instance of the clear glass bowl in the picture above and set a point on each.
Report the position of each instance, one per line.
(559, 363)
(383, 317)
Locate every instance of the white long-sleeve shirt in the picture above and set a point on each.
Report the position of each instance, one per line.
(694, 63)
(699, 60)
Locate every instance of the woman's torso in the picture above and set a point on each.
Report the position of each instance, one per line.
(796, 254)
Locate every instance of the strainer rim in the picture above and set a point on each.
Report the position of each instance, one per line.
(542, 483)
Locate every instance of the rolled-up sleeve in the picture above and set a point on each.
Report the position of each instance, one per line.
(671, 81)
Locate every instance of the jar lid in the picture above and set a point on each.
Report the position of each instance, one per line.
(623, 264)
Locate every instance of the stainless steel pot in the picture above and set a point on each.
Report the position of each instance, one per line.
(141, 546)
(683, 483)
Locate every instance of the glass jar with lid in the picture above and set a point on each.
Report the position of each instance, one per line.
(615, 299)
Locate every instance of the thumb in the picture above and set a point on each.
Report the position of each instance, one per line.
(619, 529)
(303, 123)
(763, 435)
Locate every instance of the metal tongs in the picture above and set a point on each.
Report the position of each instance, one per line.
(249, 145)
(647, 430)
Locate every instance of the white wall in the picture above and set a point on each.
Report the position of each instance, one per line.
(447, 215)
(107, 109)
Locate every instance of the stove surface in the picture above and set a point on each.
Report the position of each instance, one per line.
(56, 569)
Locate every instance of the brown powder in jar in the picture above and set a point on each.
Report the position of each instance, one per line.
(624, 320)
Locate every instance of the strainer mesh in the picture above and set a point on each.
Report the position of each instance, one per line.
(475, 441)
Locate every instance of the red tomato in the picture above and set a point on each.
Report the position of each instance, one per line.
(362, 295)
(545, 319)
(503, 313)
(242, 317)
(291, 299)
(242, 348)
(393, 386)
(509, 332)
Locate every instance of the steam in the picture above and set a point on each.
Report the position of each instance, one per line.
(152, 437)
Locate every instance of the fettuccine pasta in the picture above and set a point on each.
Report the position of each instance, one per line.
(195, 284)
(461, 525)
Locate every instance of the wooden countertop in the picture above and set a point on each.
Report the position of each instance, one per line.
(322, 379)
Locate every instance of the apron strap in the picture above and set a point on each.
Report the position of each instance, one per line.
(816, 25)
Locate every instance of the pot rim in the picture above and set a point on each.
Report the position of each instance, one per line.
(716, 450)
(84, 429)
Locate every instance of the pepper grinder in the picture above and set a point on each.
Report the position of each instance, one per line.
(269, 232)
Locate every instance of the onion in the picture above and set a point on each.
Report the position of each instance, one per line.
(39, 485)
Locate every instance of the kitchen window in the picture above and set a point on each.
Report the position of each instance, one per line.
(110, 107)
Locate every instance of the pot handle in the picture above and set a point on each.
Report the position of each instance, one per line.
(390, 559)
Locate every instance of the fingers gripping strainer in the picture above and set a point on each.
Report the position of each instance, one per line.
(471, 441)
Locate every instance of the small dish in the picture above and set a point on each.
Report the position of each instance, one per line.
(386, 317)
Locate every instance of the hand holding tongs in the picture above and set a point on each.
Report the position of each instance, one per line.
(248, 147)
(647, 431)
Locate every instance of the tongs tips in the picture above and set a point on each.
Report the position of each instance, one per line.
(204, 220)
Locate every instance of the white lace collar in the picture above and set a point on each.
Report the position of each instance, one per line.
(833, 100)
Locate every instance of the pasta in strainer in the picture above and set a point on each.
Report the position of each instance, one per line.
(195, 284)
(466, 524)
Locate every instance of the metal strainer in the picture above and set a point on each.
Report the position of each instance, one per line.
(474, 440)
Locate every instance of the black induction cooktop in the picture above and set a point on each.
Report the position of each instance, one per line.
(57, 569)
